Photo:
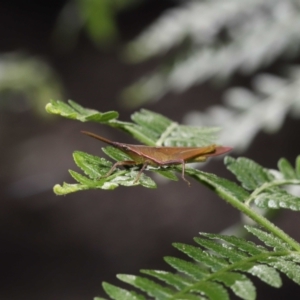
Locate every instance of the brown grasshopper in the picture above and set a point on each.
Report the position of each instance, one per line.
(160, 156)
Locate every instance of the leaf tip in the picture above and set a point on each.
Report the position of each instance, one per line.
(67, 188)
(59, 190)
(228, 160)
(50, 109)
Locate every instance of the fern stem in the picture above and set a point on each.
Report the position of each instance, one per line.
(218, 185)
(261, 220)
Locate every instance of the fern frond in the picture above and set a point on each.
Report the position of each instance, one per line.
(199, 21)
(255, 25)
(246, 112)
(259, 185)
(264, 185)
(221, 263)
(218, 262)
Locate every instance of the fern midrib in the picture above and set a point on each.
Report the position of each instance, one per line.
(261, 220)
(233, 267)
(241, 206)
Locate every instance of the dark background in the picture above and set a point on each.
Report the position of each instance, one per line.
(64, 247)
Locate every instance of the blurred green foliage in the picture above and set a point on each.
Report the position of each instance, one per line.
(97, 18)
(27, 83)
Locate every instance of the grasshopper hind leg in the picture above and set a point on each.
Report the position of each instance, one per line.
(119, 163)
(140, 172)
(183, 172)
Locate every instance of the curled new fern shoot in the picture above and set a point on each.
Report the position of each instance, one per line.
(217, 263)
